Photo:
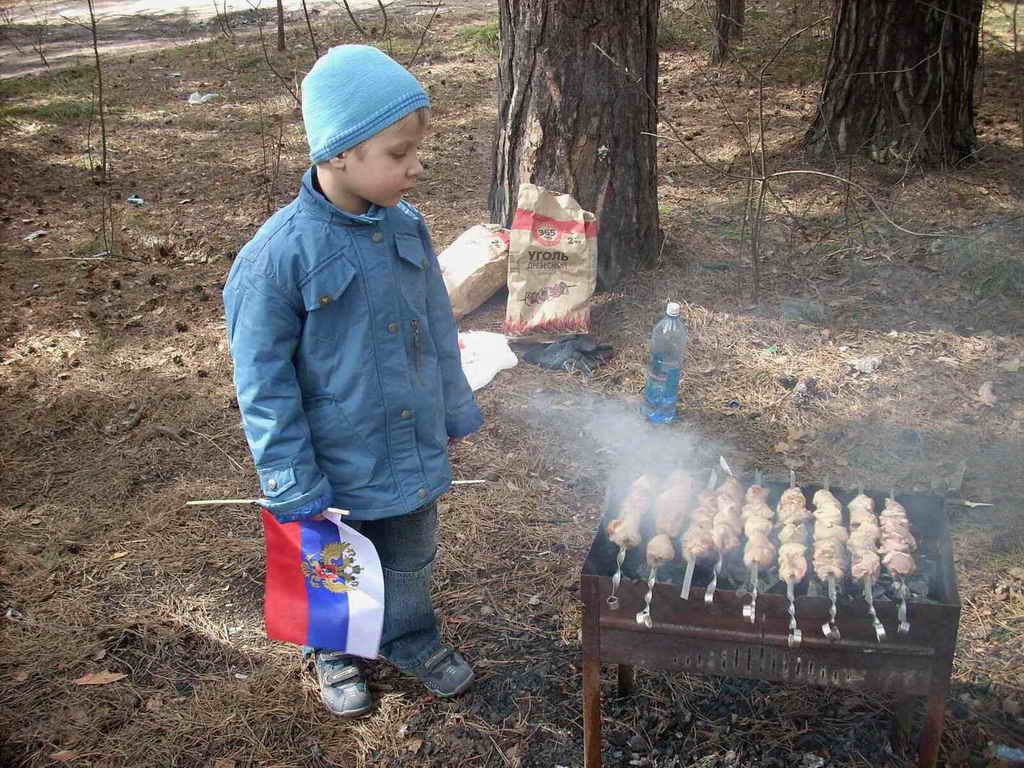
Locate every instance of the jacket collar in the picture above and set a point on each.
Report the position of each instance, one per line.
(314, 199)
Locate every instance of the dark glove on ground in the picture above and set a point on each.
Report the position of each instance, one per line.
(576, 353)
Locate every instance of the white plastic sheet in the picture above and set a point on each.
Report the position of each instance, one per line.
(484, 354)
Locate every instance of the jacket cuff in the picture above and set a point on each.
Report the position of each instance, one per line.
(303, 506)
(464, 421)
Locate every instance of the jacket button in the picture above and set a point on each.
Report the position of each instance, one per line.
(377, 237)
(272, 485)
(422, 493)
(325, 300)
(406, 414)
(392, 327)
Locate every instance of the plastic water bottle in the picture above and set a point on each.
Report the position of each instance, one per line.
(668, 354)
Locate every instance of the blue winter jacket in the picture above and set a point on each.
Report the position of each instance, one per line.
(347, 365)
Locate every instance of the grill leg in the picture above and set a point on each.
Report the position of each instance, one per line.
(627, 678)
(903, 717)
(591, 674)
(931, 735)
(591, 713)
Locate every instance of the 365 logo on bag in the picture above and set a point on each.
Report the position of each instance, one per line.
(545, 234)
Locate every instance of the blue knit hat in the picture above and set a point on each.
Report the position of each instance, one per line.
(352, 93)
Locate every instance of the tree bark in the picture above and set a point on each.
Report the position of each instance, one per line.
(899, 84)
(721, 31)
(280, 25)
(728, 26)
(572, 120)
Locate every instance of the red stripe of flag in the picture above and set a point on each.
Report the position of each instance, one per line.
(286, 604)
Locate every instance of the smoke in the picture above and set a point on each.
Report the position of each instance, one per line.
(612, 438)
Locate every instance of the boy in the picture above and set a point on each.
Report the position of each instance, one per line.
(346, 355)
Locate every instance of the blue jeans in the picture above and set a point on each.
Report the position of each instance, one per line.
(406, 546)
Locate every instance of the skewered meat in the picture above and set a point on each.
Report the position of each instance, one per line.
(731, 489)
(625, 529)
(829, 559)
(660, 550)
(726, 537)
(823, 497)
(893, 507)
(756, 509)
(670, 506)
(707, 498)
(791, 533)
(756, 494)
(860, 516)
(793, 516)
(865, 565)
(831, 513)
(755, 524)
(899, 562)
(698, 542)
(862, 510)
(727, 523)
(792, 495)
(792, 563)
(861, 503)
(826, 529)
(865, 537)
(759, 552)
(896, 542)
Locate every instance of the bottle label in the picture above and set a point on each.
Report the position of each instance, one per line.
(662, 387)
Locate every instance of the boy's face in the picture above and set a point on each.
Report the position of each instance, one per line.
(383, 168)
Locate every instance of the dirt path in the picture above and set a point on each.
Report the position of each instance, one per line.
(53, 34)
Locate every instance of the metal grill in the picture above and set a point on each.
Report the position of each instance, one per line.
(692, 636)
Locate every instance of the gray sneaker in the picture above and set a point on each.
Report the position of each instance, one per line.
(445, 673)
(343, 688)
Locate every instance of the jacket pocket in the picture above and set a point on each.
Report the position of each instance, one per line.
(341, 452)
(412, 271)
(274, 482)
(322, 294)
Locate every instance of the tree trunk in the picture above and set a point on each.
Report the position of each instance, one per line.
(571, 120)
(728, 26)
(899, 84)
(720, 32)
(280, 25)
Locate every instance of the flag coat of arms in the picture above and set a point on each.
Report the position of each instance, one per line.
(324, 586)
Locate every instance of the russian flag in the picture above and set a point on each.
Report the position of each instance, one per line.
(324, 586)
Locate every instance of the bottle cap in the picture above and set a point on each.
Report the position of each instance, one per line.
(672, 310)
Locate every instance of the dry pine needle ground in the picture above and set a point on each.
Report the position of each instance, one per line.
(118, 407)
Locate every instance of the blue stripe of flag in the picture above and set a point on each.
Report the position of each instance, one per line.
(328, 611)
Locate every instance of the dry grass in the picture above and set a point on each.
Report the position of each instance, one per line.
(118, 407)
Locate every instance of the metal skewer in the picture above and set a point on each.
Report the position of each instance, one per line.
(691, 563)
(795, 635)
(709, 592)
(750, 610)
(869, 596)
(688, 578)
(901, 612)
(644, 616)
(901, 590)
(613, 601)
(829, 628)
